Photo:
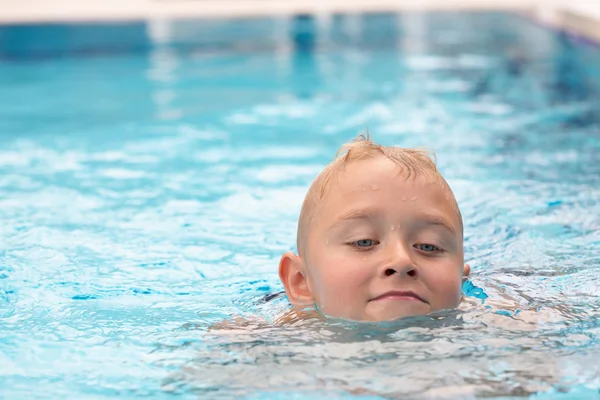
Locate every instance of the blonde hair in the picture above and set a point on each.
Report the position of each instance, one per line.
(412, 162)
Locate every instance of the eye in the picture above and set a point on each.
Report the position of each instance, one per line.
(364, 243)
(427, 247)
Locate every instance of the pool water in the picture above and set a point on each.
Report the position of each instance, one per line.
(151, 175)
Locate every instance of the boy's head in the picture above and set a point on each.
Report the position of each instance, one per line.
(379, 237)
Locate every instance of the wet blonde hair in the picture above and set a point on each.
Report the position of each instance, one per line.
(412, 162)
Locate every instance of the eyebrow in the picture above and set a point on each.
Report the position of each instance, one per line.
(361, 213)
(437, 220)
(369, 213)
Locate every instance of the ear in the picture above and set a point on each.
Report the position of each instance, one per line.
(292, 273)
(466, 272)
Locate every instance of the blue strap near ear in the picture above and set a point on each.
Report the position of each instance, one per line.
(471, 290)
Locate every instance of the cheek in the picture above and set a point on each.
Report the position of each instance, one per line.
(446, 285)
(339, 282)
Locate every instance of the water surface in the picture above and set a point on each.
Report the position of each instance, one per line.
(151, 175)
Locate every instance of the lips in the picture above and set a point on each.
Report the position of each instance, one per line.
(400, 296)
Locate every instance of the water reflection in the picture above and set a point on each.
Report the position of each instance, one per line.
(305, 72)
(421, 357)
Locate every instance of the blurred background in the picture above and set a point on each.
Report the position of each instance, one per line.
(579, 16)
(41, 10)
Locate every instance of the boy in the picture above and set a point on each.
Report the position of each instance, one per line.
(380, 237)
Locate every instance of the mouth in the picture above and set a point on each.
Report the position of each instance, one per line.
(397, 295)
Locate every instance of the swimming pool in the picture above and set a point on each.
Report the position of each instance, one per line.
(151, 175)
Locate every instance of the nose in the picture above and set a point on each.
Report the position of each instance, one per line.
(398, 262)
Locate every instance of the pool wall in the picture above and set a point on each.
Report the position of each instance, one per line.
(578, 17)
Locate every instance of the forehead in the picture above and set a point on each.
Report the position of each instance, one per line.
(380, 182)
(377, 172)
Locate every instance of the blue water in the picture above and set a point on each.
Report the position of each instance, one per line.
(151, 175)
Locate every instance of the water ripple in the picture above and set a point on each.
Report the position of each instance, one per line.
(147, 195)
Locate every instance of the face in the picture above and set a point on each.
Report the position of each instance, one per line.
(383, 247)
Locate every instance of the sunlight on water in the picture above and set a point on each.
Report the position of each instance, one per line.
(151, 178)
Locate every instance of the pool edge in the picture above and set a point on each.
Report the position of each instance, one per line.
(582, 19)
